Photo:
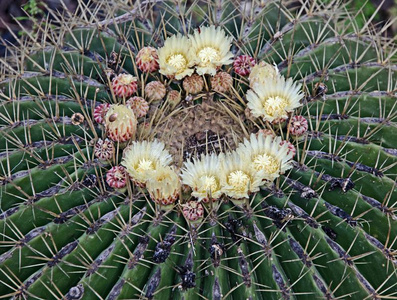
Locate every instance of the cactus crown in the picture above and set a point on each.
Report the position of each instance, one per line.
(199, 150)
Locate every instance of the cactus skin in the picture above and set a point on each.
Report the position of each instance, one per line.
(326, 229)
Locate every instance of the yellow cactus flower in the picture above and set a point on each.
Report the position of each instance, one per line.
(276, 100)
(176, 57)
(142, 158)
(211, 48)
(164, 186)
(239, 179)
(203, 177)
(267, 155)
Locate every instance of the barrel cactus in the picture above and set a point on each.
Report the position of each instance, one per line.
(199, 150)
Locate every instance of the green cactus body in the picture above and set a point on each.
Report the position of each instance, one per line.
(325, 229)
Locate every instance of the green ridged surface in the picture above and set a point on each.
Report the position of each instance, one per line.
(65, 234)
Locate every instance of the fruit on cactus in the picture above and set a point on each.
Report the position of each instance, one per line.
(124, 85)
(193, 84)
(155, 91)
(120, 123)
(147, 60)
(256, 211)
(243, 65)
(139, 106)
(116, 177)
(221, 82)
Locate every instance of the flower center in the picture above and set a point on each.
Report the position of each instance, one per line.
(178, 61)
(275, 106)
(208, 54)
(163, 177)
(127, 79)
(266, 162)
(239, 180)
(145, 165)
(208, 183)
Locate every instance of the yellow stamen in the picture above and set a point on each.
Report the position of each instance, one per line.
(266, 162)
(144, 165)
(178, 61)
(239, 180)
(209, 183)
(275, 106)
(208, 55)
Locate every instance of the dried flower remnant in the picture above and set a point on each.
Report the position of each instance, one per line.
(174, 98)
(155, 91)
(104, 149)
(77, 118)
(266, 132)
(193, 211)
(262, 74)
(298, 125)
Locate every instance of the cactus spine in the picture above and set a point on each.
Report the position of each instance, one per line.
(324, 228)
